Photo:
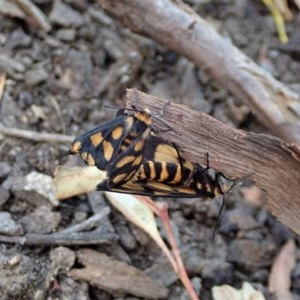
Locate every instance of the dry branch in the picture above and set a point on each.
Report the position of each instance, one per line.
(34, 135)
(272, 163)
(34, 15)
(65, 239)
(70, 236)
(177, 27)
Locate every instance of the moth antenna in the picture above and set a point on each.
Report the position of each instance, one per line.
(218, 222)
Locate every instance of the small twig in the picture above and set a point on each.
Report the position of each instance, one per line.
(69, 236)
(161, 210)
(35, 136)
(65, 239)
(34, 15)
(89, 223)
(164, 215)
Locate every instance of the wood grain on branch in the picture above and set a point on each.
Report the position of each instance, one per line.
(274, 165)
(179, 28)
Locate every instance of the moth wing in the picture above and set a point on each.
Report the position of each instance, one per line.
(124, 167)
(101, 145)
(154, 189)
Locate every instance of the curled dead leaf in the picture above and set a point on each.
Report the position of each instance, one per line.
(280, 276)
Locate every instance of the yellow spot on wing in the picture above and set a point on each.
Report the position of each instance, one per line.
(88, 158)
(119, 178)
(200, 186)
(130, 175)
(75, 147)
(108, 150)
(139, 146)
(143, 117)
(117, 133)
(96, 139)
(137, 161)
(124, 161)
(84, 155)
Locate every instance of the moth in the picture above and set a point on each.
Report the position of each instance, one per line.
(165, 173)
(117, 146)
(139, 162)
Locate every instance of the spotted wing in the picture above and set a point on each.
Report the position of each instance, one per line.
(102, 146)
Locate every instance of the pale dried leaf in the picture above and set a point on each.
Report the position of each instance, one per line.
(227, 292)
(283, 265)
(141, 215)
(74, 181)
(135, 211)
(116, 277)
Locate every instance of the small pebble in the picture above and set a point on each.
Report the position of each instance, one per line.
(8, 226)
(34, 77)
(4, 195)
(5, 169)
(36, 188)
(64, 15)
(67, 35)
(80, 216)
(250, 254)
(126, 238)
(42, 220)
(63, 258)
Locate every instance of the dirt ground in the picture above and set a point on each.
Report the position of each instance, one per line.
(58, 83)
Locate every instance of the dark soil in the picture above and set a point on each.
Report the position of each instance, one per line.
(60, 81)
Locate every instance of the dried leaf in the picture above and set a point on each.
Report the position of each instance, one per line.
(283, 265)
(227, 292)
(140, 215)
(70, 182)
(116, 277)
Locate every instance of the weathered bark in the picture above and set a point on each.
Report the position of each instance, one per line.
(177, 27)
(274, 165)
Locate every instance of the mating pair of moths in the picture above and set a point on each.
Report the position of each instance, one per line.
(139, 162)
